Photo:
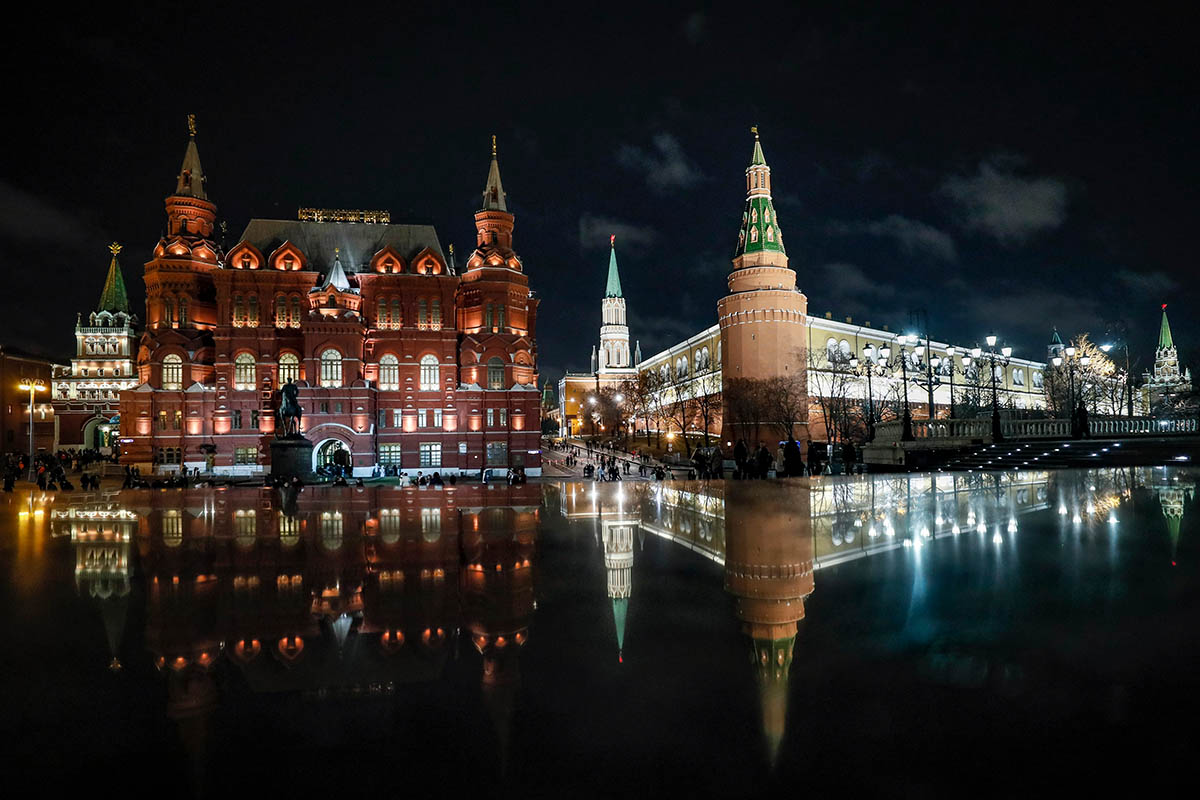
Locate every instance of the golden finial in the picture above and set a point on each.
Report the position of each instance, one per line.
(451, 249)
(493, 145)
(192, 124)
(754, 130)
(114, 248)
(337, 252)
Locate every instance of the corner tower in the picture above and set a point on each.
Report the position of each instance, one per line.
(614, 331)
(762, 318)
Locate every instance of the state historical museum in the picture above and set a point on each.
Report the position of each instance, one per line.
(401, 360)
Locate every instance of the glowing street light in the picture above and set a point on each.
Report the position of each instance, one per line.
(31, 387)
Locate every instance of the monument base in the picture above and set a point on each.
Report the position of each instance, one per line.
(292, 458)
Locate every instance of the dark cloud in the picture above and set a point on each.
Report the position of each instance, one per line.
(1005, 205)
(595, 230)
(913, 236)
(665, 166)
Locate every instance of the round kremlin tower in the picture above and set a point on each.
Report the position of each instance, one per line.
(762, 318)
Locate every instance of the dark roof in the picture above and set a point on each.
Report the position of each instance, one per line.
(358, 241)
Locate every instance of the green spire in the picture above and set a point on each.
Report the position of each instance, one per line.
(549, 396)
(1164, 331)
(760, 226)
(114, 297)
(614, 278)
(620, 609)
(1055, 338)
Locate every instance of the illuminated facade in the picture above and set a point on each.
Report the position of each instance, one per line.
(1166, 380)
(86, 394)
(401, 360)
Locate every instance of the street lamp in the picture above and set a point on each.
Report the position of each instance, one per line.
(31, 386)
(1128, 376)
(872, 364)
(906, 433)
(1004, 355)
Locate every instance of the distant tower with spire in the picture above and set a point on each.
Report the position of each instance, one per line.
(614, 355)
(618, 566)
(762, 318)
(1166, 380)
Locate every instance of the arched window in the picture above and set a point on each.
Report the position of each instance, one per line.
(331, 368)
(429, 373)
(172, 372)
(389, 372)
(280, 311)
(289, 368)
(495, 367)
(681, 367)
(243, 371)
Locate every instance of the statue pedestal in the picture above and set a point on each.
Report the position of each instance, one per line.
(292, 457)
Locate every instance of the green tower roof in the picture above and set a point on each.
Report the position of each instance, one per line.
(760, 230)
(620, 609)
(1055, 338)
(1164, 331)
(613, 289)
(114, 298)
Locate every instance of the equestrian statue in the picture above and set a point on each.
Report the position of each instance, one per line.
(286, 401)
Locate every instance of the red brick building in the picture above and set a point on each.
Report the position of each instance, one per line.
(400, 360)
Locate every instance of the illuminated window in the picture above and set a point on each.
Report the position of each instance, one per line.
(429, 373)
(435, 314)
(172, 372)
(177, 420)
(389, 372)
(390, 454)
(280, 311)
(422, 418)
(396, 318)
(397, 418)
(245, 455)
(431, 518)
(162, 420)
(431, 454)
(437, 418)
(495, 373)
(183, 313)
(289, 368)
(491, 417)
(253, 311)
(294, 320)
(381, 318)
(503, 417)
(243, 371)
(331, 368)
(172, 527)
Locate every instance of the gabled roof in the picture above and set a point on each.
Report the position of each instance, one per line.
(358, 242)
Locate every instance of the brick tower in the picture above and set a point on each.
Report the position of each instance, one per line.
(762, 318)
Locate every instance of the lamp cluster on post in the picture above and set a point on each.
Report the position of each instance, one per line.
(1071, 355)
(1124, 345)
(874, 362)
(994, 357)
(31, 386)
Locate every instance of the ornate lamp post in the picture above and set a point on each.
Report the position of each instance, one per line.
(1003, 357)
(31, 386)
(871, 365)
(906, 433)
(1128, 376)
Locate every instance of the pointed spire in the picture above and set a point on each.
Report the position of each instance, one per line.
(1055, 339)
(637, 352)
(336, 277)
(620, 610)
(760, 227)
(613, 289)
(114, 298)
(493, 193)
(1164, 331)
(453, 268)
(191, 174)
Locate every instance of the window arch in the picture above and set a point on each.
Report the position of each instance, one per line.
(243, 371)
(172, 372)
(495, 373)
(331, 368)
(389, 372)
(289, 368)
(429, 373)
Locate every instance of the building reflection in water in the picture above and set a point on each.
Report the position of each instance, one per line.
(771, 537)
(328, 593)
(350, 593)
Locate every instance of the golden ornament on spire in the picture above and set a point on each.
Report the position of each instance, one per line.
(493, 145)
(192, 124)
(114, 248)
(754, 130)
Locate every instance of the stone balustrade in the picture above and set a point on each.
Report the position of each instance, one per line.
(960, 432)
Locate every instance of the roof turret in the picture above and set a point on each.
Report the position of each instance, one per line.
(613, 289)
(760, 226)
(191, 174)
(336, 277)
(114, 297)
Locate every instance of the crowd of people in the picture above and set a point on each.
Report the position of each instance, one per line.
(52, 471)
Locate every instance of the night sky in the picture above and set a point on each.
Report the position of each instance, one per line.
(1006, 169)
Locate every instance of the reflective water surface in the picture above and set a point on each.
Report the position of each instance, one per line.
(923, 634)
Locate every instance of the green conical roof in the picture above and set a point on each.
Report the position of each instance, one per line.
(613, 289)
(620, 609)
(549, 397)
(114, 298)
(1164, 331)
(760, 225)
(1055, 338)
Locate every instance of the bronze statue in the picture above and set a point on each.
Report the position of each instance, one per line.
(287, 411)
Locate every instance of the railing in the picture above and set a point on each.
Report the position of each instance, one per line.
(949, 432)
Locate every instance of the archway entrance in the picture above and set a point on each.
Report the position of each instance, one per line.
(331, 457)
(99, 434)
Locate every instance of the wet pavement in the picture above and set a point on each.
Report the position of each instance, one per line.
(925, 634)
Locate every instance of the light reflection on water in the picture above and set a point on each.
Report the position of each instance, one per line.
(349, 595)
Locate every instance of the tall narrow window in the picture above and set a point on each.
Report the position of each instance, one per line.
(487, 317)
(389, 372)
(280, 311)
(429, 373)
(239, 310)
(168, 313)
(172, 372)
(396, 318)
(435, 315)
(381, 318)
(243, 372)
(183, 311)
(422, 314)
(500, 308)
(495, 373)
(236, 420)
(289, 368)
(294, 321)
(331, 368)
(253, 311)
